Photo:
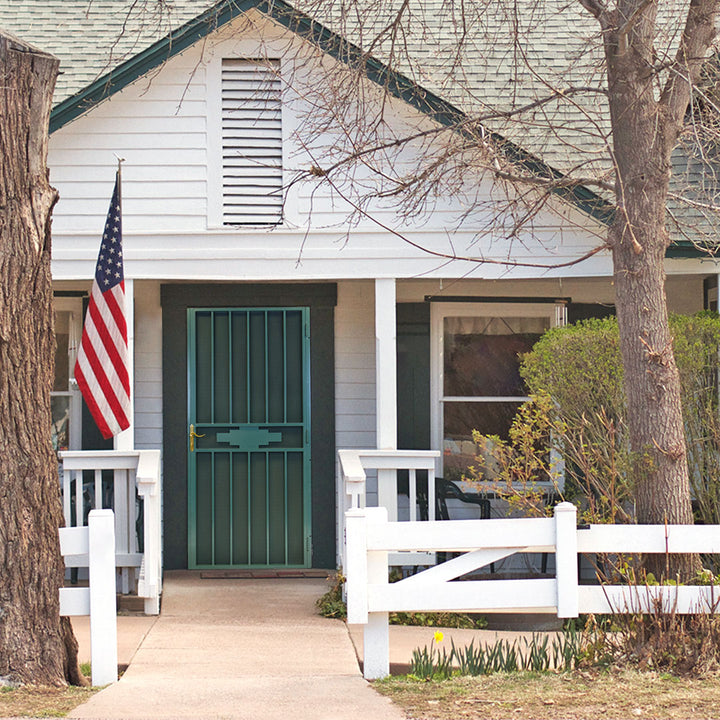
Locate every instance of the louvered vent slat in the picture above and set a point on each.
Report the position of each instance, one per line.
(252, 142)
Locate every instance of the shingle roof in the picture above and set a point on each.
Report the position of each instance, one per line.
(92, 36)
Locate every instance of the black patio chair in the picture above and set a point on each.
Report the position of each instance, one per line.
(448, 490)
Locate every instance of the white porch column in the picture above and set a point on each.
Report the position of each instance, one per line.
(124, 495)
(126, 439)
(386, 387)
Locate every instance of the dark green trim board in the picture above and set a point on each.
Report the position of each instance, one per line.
(413, 376)
(320, 299)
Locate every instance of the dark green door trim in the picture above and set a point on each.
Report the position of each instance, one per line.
(321, 299)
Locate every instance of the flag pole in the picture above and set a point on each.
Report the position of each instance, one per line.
(126, 439)
(118, 179)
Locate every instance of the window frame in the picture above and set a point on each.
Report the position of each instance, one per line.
(555, 312)
(73, 306)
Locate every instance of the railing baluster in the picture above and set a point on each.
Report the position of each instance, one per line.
(431, 493)
(79, 507)
(98, 504)
(67, 496)
(413, 495)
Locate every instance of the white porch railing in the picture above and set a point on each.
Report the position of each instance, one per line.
(135, 473)
(94, 546)
(353, 467)
(371, 538)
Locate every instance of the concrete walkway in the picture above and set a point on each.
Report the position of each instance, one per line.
(227, 648)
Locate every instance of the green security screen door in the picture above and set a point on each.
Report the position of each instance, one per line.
(248, 438)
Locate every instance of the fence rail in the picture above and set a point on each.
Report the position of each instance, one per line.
(371, 539)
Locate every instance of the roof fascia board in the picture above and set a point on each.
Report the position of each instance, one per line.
(686, 249)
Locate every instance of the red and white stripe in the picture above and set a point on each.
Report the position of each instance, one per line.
(101, 370)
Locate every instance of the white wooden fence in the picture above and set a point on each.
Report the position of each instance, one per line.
(371, 538)
(135, 473)
(93, 546)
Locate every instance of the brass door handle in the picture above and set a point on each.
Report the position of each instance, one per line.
(193, 435)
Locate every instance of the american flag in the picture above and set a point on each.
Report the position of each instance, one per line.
(101, 369)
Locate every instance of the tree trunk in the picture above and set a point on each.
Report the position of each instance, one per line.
(643, 137)
(36, 645)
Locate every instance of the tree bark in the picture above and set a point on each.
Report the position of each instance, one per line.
(36, 645)
(645, 130)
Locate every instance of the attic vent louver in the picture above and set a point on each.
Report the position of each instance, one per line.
(252, 142)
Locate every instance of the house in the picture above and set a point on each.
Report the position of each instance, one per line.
(275, 317)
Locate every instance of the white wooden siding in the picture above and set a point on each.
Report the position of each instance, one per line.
(167, 126)
(148, 366)
(355, 365)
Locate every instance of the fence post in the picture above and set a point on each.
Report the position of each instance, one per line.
(376, 636)
(356, 566)
(103, 611)
(566, 571)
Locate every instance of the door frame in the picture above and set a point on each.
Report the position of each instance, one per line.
(321, 299)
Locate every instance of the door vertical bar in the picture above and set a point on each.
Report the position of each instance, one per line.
(307, 427)
(212, 507)
(212, 367)
(285, 351)
(249, 507)
(247, 369)
(267, 485)
(285, 481)
(231, 480)
(267, 369)
(192, 473)
(230, 366)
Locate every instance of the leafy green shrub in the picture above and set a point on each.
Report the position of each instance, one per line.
(575, 376)
(331, 604)
(439, 619)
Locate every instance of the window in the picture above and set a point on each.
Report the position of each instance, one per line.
(252, 178)
(65, 397)
(476, 372)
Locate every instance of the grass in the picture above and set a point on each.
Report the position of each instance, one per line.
(626, 694)
(38, 701)
(41, 702)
